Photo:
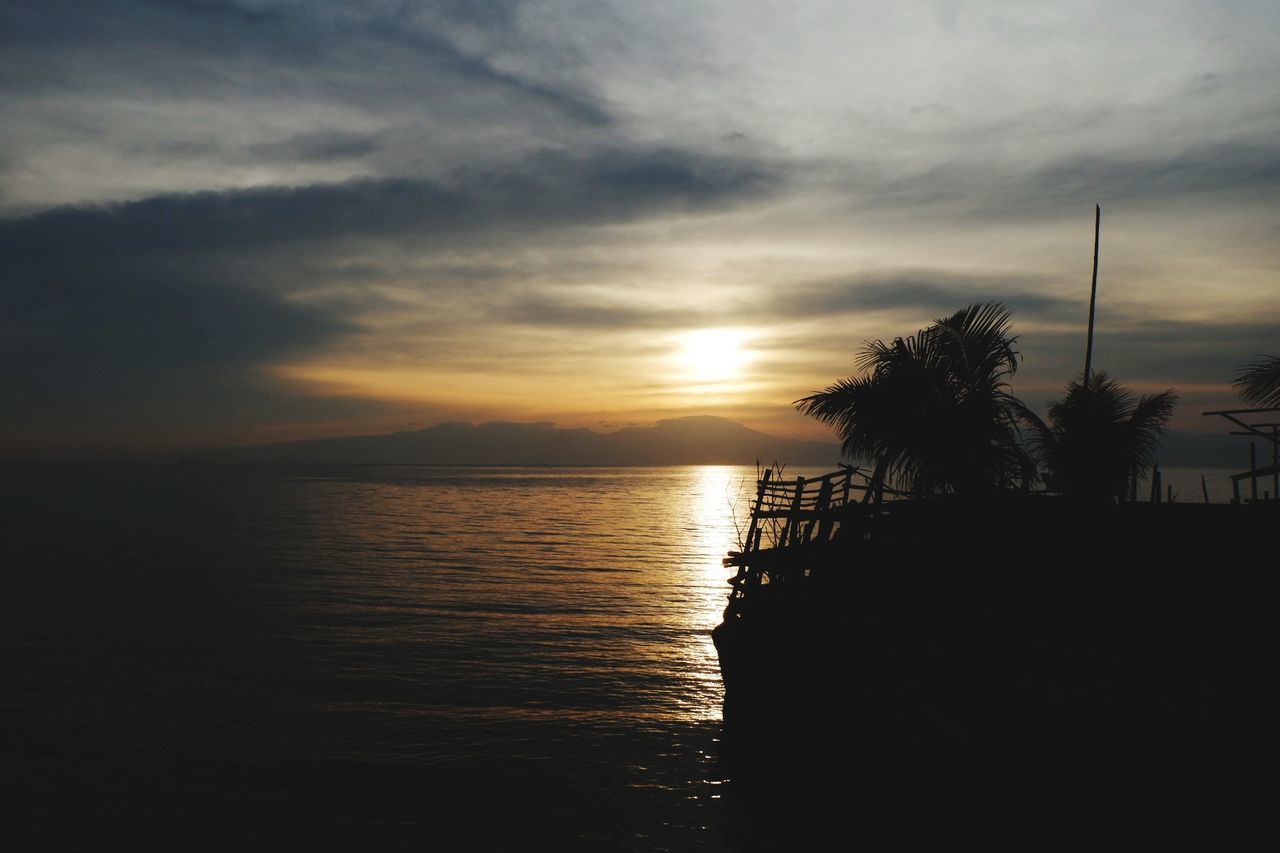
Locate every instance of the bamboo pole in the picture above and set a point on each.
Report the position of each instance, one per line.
(753, 539)
(823, 520)
(1093, 293)
(790, 531)
(1275, 463)
(1253, 471)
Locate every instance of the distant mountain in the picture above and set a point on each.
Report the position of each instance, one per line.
(700, 440)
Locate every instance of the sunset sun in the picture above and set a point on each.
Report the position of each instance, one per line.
(713, 355)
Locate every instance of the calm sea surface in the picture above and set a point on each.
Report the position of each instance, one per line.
(440, 658)
(371, 657)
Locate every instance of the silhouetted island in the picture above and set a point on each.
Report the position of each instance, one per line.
(697, 440)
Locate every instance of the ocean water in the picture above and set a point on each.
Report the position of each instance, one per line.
(1188, 487)
(222, 657)
(417, 657)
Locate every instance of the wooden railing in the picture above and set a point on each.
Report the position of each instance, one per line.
(1268, 431)
(790, 518)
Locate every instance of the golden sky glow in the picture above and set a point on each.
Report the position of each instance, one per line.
(609, 215)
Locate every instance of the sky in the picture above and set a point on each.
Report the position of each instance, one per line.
(238, 222)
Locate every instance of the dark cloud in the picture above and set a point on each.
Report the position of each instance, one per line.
(93, 343)
(97, 356)
(433, 184)
(546, 191)
(562, 312)
(1186, 351)
(240, 219)
(176, 148)
(573, 105)
(1155, 353)
(1221, 168)
(208, 407)
(92, 327)
(171, 303)
(209, 46)
(1247, 170)
(1137, 346)
(318, 146)
(928, 293)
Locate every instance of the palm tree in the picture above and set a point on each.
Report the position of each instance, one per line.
(1097, 435)
(1259, 381)
(933, 410)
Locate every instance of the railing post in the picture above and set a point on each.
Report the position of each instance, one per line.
(1253, 471)
(789, 529)
(875, 486)
(823, 521)
(753, 535)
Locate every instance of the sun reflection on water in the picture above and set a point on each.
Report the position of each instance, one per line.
(720, 506)
(713, 517)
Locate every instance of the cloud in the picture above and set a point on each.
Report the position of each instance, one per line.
(406, 193)
(1248, 170)
(111, 352)
(132, 306)
(94, 327)
(927, 293)
(277, 40)
(156, 96)
(104, 362)
(318, 145)
(1227, 167)
(924, 294)
(1187, 352)
(547, 190)
(564, 312)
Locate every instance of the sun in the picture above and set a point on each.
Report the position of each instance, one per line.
(713, 355)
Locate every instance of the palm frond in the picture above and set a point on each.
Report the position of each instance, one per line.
(1098, 435)
(977, 337)
(1042, 435)
(932, 407)
(1258, 382)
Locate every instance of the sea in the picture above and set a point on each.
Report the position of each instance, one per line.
(373, 657)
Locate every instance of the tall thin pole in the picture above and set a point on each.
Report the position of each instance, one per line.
(1093, 292)
(1253, 471)
(1275, 464)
